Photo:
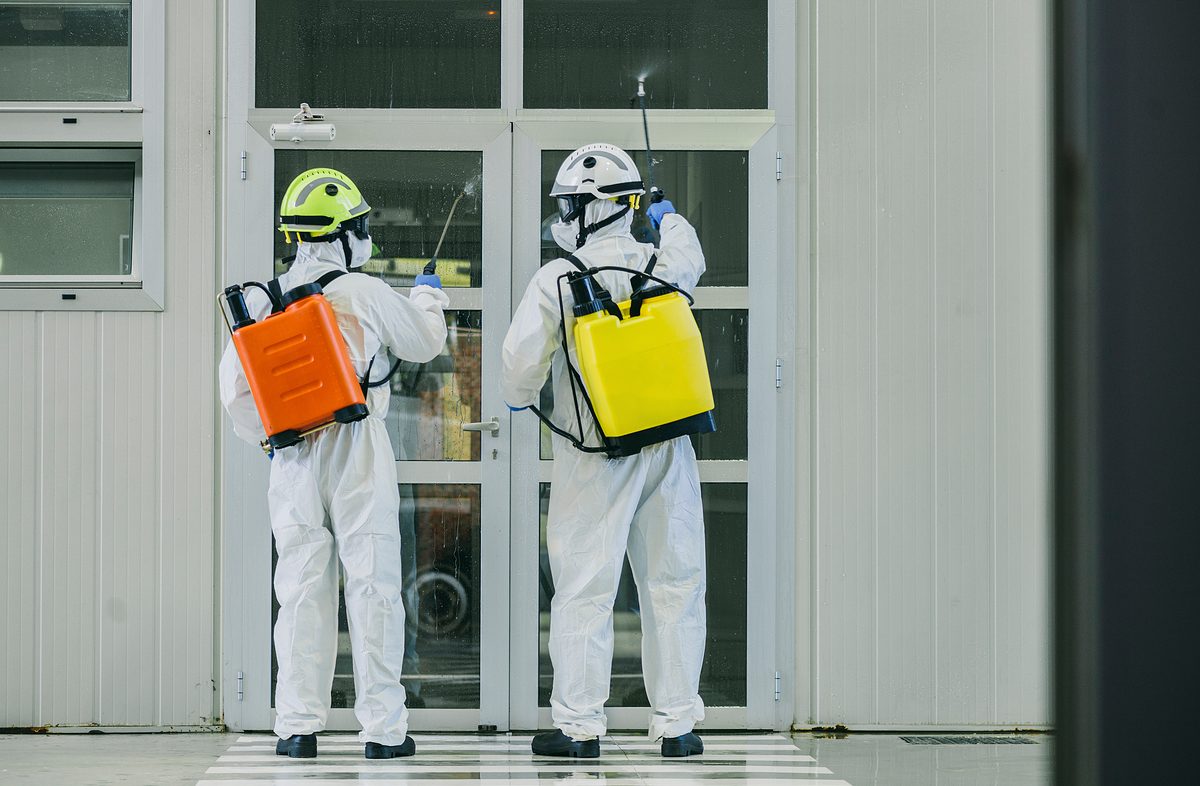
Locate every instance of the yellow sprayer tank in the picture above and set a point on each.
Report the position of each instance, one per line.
(646, 375)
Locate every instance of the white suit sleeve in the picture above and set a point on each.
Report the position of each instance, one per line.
(680, 259)
(235, 388)
(533, 338)
(413, 328)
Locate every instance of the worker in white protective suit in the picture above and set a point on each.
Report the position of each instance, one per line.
(335, 494)
(600, 508)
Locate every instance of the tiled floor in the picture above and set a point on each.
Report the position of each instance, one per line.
(729, 760)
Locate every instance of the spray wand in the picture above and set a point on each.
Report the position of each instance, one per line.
(468, 189)
(656, 193)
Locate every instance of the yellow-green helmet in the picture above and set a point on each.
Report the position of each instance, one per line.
(318, 202)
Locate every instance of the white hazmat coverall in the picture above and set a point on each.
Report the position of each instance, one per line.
(647, 505)
(338, 487)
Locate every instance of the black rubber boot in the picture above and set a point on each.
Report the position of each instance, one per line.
(377, 750)
(298, 746)
(684, 745)
(555, 743)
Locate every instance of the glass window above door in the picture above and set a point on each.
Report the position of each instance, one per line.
(695, 54)
(378, 54)
(65, 51)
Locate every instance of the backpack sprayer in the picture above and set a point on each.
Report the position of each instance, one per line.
(296, 361)
(642, 369)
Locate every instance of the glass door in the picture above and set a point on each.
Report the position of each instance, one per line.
(449, 428)
(723, 181)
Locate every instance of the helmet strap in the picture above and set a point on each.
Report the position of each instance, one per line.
(345, 247)
(587, 231)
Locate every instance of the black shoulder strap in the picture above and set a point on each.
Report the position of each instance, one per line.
(574, 260)
(276, 295)
(330, 277)
(653, 261)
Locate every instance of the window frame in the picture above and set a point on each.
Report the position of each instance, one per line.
(104, 131)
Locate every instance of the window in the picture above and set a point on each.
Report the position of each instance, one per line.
(69, 219)
(695, 54)
(379, 54)
(65, 51)
(82, 164)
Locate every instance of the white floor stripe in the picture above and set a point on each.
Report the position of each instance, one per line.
(524, 753)
(491, 781)
(304, 765)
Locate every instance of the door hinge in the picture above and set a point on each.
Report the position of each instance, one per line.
(778, 373)
(243, 165)
(241, 693)
(779, 166)
(778, 687)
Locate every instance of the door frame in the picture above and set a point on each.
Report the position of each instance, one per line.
(779, 635)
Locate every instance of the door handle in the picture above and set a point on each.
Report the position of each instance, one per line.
(492, 425)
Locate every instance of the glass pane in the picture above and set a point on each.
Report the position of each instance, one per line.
(708, 187)
(85, 208)
(431, 401)
(694, 54)
(383, 54)
(723, 677)
(725, 333)
(411, 194)
(64, 51)
(439, 538)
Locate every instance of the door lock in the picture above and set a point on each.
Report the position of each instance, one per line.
(492, 425)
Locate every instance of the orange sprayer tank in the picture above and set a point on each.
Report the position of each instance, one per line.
(297, 365)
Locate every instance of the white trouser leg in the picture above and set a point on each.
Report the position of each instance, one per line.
(591, 505)
(364, 508)
(306, 587)
(667, 555)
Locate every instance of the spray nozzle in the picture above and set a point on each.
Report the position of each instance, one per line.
(641, 87)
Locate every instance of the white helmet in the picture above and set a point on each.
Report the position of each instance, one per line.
(593, 172)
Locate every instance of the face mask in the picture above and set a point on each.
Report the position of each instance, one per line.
(360, 250)
(565, 235)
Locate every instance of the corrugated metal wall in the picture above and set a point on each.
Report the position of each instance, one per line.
(930, 341)
(107, 468)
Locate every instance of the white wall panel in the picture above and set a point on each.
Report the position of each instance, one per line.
(930, 377)
(107, 469)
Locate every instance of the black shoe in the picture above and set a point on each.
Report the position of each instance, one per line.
(685, 745)
(298, 746)
(377, 750)
(555, 743)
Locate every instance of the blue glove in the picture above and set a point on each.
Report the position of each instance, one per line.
(430, 281)
(511, 408)
(657, 210)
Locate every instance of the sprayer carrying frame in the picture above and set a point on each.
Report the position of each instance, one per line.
(615, 447)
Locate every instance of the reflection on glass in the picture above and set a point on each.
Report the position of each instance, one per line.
(86, 208)
(708, 187)
(410, 193)
(723, 677)
(694, 54)
(725, 334)
(381, 54)
(439, 538)
(69, 51)
(431, 401)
